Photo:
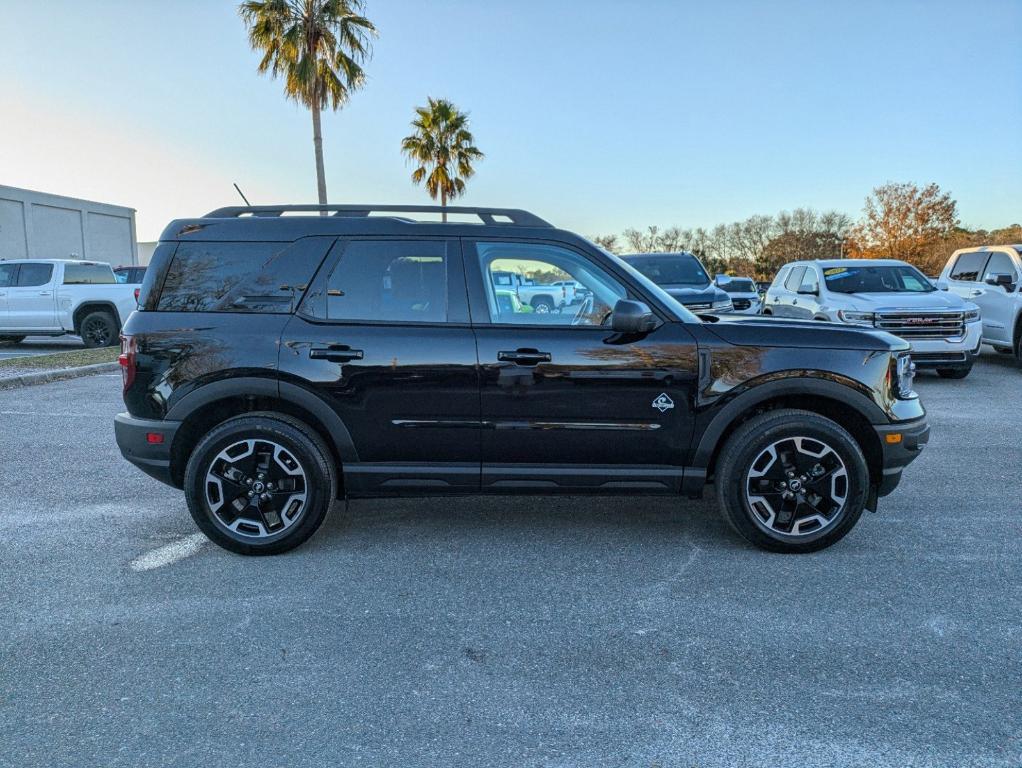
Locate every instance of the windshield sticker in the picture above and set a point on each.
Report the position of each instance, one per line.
(834, 271)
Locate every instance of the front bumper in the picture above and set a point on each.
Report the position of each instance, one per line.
(900, 443)
(948, 353)
(133, 440)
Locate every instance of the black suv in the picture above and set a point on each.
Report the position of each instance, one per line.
(278, 362)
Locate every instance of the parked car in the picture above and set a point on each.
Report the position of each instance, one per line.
(542, 298)
(990, 277)
(279, 362)
(943, 329)
(54, 297)
(682, 276)
(743, 293)
(131, 275)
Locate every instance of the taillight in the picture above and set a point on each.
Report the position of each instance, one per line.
(127, 360)
(137, 292)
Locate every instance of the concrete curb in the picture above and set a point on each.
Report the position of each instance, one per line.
(44, 377)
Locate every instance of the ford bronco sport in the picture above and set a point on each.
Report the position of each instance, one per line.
(280, 361)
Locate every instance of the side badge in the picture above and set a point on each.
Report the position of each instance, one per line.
(663, 402)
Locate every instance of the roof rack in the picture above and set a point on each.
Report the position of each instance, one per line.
(488, 216)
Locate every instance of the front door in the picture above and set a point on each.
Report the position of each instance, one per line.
(383, 334)
(567, 403)
(995, 302)
(31, 301)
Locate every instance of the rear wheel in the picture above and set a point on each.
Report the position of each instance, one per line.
(8, 340)
(98, 329)
(954, 373)
(792, 481)
(260, 484)
(542, 305)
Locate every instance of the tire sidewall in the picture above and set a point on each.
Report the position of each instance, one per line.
(818, 429)
(111, 326)
(320, 486)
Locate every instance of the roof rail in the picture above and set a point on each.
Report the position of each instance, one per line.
(489, 216)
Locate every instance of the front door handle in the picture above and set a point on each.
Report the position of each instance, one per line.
(45, 293)
(524, 357)
(976, 293)
(337, 353)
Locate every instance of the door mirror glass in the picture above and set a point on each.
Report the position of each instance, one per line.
(632, 317)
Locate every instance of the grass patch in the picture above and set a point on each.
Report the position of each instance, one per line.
(73, 359)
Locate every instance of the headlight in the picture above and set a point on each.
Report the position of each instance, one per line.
(904, 376)
(972, 315)
(724, 305)
(855, 318)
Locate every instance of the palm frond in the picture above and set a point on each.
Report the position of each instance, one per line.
(442, 147)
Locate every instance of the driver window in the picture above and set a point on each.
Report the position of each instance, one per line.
(538, 284)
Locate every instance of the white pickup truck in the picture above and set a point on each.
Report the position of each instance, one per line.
(53, 297)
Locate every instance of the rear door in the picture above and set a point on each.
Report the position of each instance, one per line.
(966, 275)
(806, 301)
(566, 403)
(786, 294)
(31, 300)
(383, 335)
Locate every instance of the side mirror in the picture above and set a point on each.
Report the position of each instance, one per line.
(1001, 279)
(632, 317)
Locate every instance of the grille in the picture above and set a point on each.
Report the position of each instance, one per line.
(742, 303)
(934, 358)
(700, 305)
(922, 325)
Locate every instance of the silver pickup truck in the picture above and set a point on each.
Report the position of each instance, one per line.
(54, 297)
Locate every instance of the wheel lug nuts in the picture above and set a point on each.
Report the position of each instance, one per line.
(251, 494)
(248, 480)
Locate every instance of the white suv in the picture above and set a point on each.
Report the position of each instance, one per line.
(942, 327)
(990, 277)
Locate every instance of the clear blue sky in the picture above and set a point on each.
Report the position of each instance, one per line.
(596, 115)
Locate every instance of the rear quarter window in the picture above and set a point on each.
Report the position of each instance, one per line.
(234, 277)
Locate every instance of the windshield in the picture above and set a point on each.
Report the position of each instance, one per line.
(662, 296)
(738, 285)
(882, 279)
(671, 269)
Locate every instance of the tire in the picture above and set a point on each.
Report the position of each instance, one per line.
(542, 305)
(745, 460)
(954, 373)
(98, 329)
(10, 340)
(245, 449)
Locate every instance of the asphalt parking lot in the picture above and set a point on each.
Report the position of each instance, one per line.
(508, 632)
(41, 345)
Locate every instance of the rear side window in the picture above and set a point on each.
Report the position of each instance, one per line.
(234, 277)
(780, 277)
(385, 280)
(32, 275)
(795, 279)
(969, 266)
(88, 274)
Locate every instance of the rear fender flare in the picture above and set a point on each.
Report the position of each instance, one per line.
(278, 390)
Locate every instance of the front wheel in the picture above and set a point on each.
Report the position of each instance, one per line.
(260, 484)
(954, 373)
(542, 305)
(792, 481)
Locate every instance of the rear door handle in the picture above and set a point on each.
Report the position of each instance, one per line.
(976, 293)
(337, 353)
(524, 357)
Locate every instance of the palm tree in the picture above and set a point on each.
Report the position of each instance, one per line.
(442, 146)
(318, 47)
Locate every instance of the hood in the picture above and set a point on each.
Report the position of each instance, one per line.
(760, 331)
(892, 302)
(688, 294)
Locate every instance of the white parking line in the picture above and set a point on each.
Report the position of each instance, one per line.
(169, 553)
